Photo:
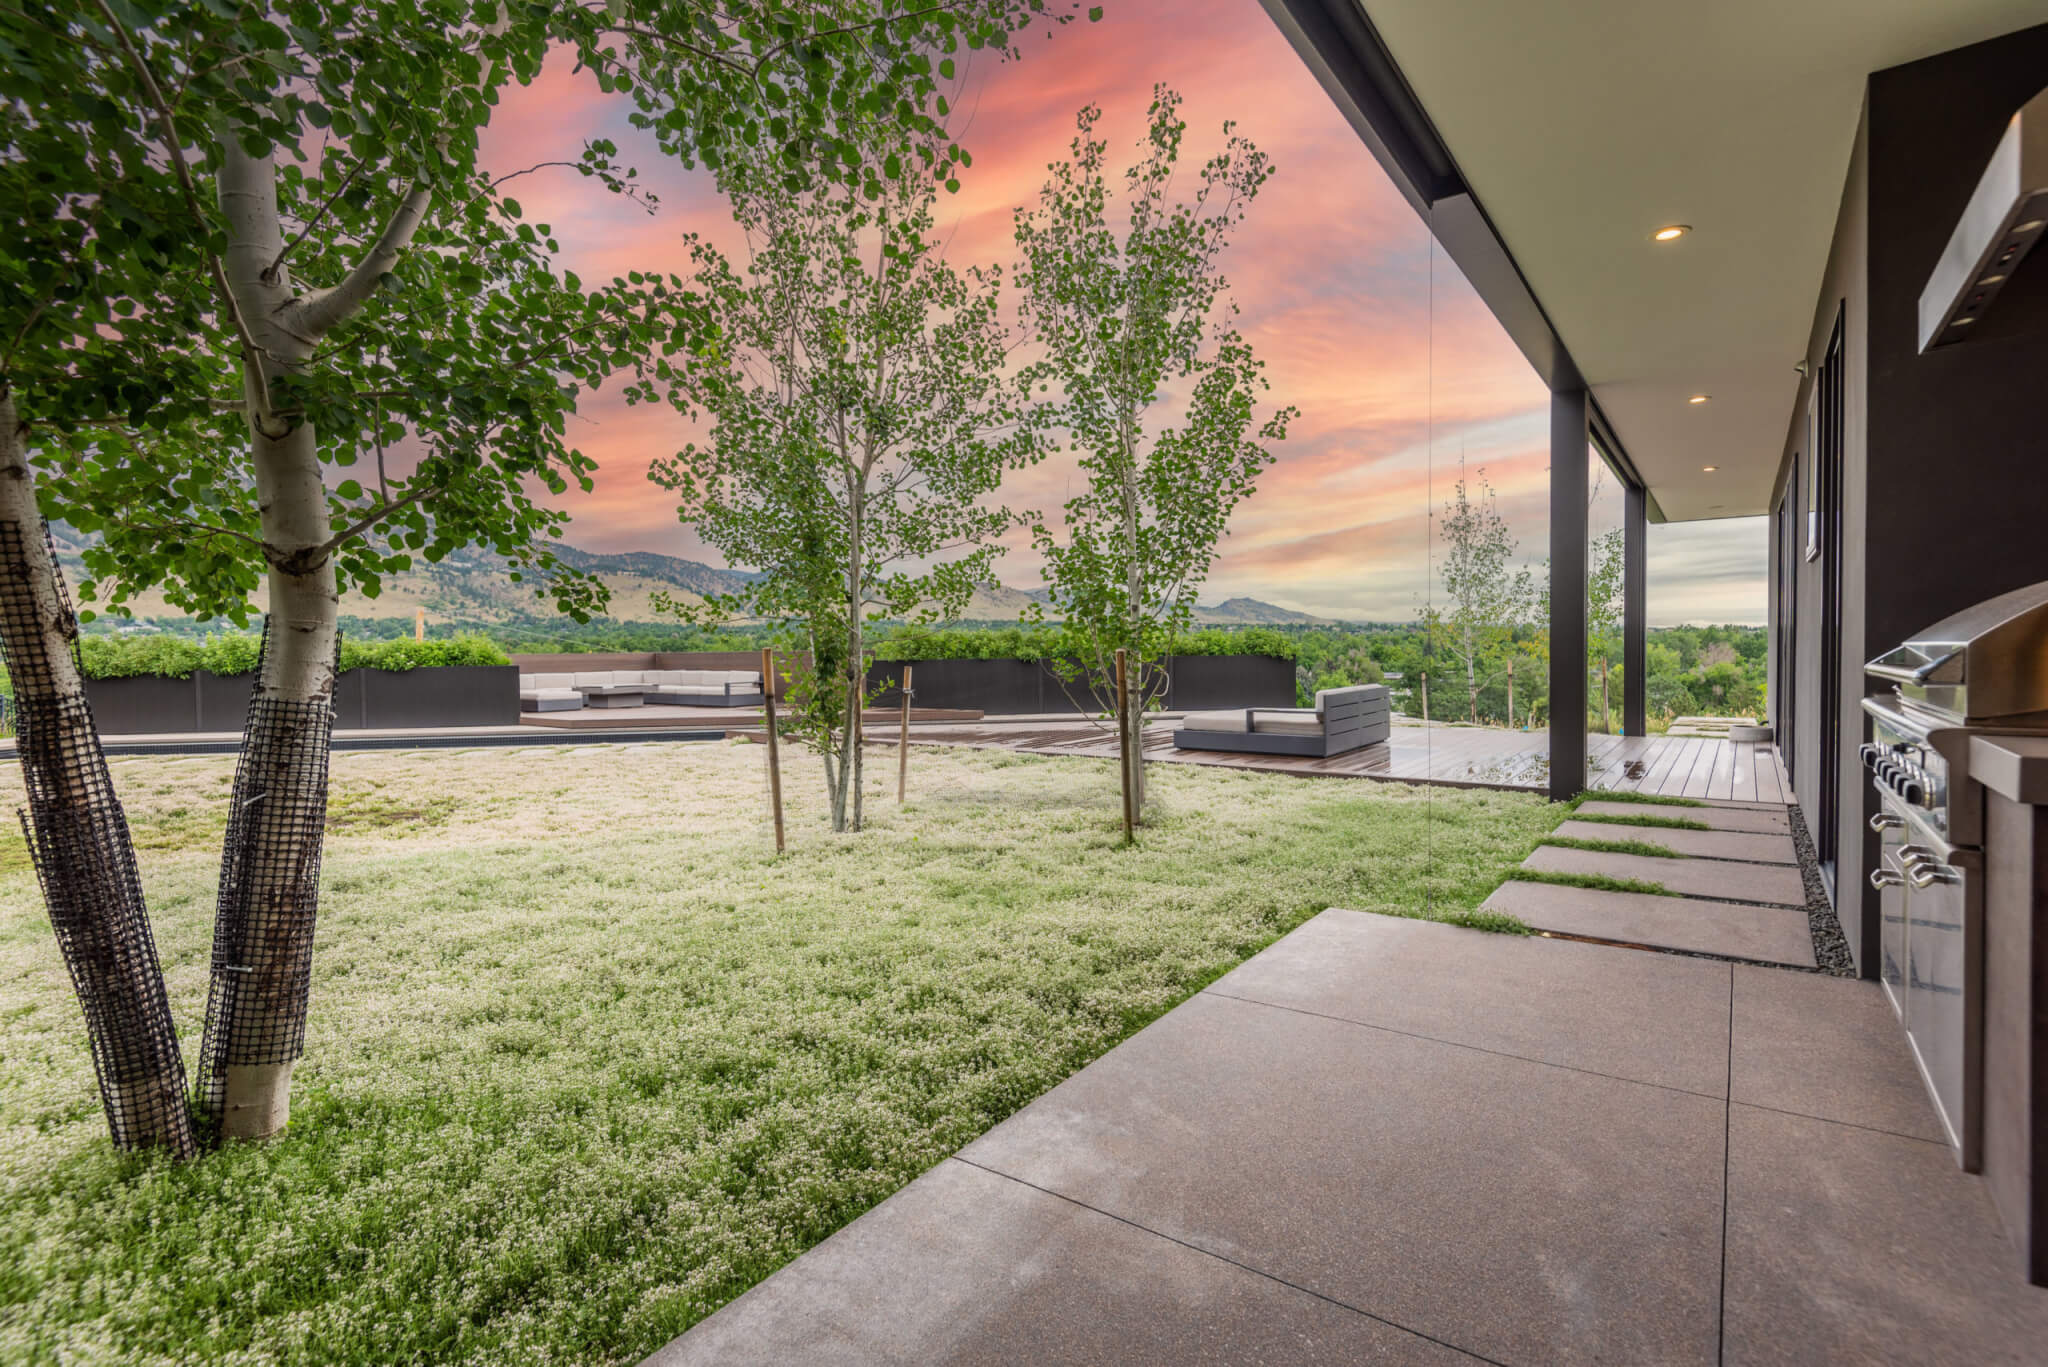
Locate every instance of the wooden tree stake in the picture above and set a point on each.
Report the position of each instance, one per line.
(774, 752)
(1123, 745)
(1511, 691)
(903, 742)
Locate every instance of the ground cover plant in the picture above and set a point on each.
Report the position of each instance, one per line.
(588, 1060)
(1643, 847)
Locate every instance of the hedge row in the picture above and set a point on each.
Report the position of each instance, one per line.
(1053, 641)
(175, 657)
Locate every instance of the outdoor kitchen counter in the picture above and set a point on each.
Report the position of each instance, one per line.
(2014, 771)
(2014, 767)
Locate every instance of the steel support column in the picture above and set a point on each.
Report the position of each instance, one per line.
(1569, 458)
(1634, 627)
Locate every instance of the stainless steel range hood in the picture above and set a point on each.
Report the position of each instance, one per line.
(1985, 664)
(2006, 215)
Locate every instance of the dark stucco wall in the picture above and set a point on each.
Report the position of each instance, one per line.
(1946, 464)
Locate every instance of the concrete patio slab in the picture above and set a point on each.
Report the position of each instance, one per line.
(1755, 820)
(1760, 849)
(1580, 1006)
(1846, 1245)
(964, 1266)
(1520, 1211)
(1249, 1182)
(1829, 1048)
(1734, 930)
(1716, 878)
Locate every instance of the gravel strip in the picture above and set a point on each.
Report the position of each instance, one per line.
(1830, 950)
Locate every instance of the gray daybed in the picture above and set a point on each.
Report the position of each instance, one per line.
(634, 687)
(549, 693)
(1342, 719)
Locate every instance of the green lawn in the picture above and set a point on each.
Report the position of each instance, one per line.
(586, 1060)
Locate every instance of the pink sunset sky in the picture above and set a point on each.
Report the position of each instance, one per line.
(1398, 370)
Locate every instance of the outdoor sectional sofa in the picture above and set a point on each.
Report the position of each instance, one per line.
(1342, 719)
(633, 687)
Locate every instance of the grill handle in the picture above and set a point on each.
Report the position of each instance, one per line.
(1900, 674)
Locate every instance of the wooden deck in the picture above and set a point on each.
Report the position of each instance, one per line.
(662, 716)
(1454, 756)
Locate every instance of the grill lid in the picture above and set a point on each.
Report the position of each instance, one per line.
(1986, 662)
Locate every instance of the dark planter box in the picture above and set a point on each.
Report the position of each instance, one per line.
(364, 699)
(131, 706)
(998, 687)
(222, 701)
(452, 695)
(1204, 683)
(1014, 687)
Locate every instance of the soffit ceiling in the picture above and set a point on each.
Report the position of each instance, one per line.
(1584, 125)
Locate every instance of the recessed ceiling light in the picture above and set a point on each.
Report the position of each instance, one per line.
(1710, 468)
(1671, 232)
(1699, 398)
(2029, 225)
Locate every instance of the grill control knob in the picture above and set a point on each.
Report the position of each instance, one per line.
(1913, 791)
(1869, 754)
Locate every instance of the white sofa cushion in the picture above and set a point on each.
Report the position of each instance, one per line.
(629, 676)
(595, 680)
(527, 681)
(549, 694)
(1233, 720)
(741, 676)
(1291, 721)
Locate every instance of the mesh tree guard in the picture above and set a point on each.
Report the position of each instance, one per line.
(85, 860)
(263, 923)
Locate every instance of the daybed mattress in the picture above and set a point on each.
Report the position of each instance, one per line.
(1264, 721)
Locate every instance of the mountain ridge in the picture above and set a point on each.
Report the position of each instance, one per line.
(471, 587)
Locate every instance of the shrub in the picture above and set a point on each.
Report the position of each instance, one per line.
(1052, 640)
(172, 657)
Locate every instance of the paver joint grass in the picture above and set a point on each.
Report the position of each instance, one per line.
(1643, 847)
(1630, 795)
(1596, 882)
(1669, 823)
(585, 1060)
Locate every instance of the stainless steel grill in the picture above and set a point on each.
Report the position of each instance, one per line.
(1981, 672)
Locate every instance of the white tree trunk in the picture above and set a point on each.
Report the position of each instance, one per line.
(1134, 588)
(270, 865)
(84, 852)
(856, 674)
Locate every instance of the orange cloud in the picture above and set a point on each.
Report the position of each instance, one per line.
(1398, 369)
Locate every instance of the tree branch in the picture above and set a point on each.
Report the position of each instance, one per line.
(369, 520)
(320, 311)
(190, 525)
(176, 153)
(277, 263)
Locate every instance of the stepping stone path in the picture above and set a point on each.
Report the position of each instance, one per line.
(1733, 930)
(1722, 879)
(1759, 820)
(1739, 892)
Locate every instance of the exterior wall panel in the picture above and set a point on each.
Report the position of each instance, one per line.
(1943, 503)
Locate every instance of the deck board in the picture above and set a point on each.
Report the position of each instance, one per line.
(1457, 756)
